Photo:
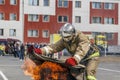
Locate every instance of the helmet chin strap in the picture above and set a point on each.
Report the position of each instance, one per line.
(69, 42)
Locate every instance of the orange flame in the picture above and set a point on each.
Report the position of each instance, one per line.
(46, 70)
(28, 67)
(56, 70)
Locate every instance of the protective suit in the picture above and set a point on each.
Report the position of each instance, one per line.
(80, 48)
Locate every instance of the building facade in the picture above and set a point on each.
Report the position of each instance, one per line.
(45, 17)
(35, 20)
(11, 20)
(99, 17)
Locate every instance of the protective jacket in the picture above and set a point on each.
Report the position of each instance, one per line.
(77, 47)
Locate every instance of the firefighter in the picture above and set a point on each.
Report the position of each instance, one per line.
(79, 47)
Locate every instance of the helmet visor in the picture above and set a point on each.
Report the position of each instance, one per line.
(65, 34)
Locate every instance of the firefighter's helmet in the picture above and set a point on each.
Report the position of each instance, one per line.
(67, 31)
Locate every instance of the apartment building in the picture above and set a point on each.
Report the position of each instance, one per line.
(11, 20)
(37, 19)
(45, 17)
(99, 17)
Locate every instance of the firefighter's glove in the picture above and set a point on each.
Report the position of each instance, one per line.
(71, 61)
(37, 50)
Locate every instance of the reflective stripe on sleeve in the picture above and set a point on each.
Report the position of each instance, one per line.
(78, 57)
(46, 49)
(91, 78)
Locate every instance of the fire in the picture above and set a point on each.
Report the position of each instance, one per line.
(52, 71)
(28, 67)
(45, 71)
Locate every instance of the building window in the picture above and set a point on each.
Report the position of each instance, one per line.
(62, 3)
(32, 33)
(33, 17)
(108, 20)
(110, 36)
(108, 5)
(96, 20)
(46, 18)
(12, 32)
(1, 16)
(77, 19)
(2, 2)
(46, 2)
(34, 2)
(13, 2)
(13, 16)
(62, 19)
(45, 33)
(1, 32)
(77, 4)
(96, 5)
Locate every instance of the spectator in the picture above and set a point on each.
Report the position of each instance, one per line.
(16, 49)
(22, 50)
(2, 49)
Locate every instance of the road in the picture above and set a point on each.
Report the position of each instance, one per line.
(109, 68)
(10, 69)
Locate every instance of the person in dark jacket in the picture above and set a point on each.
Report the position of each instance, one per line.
(22, 49)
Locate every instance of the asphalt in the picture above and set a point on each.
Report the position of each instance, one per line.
(110, 58)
